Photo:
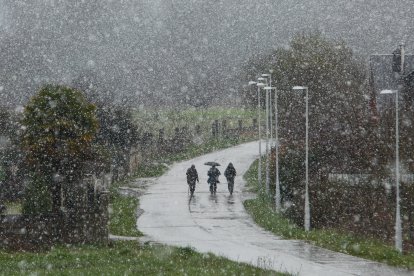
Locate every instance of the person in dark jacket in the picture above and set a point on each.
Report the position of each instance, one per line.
(230, 174)
(192, 177)
(213, 178)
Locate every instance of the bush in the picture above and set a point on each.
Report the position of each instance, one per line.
(59, 127)
(37, 198)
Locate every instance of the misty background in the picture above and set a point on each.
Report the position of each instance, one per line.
(163, 52)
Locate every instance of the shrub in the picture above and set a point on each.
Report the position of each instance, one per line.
(37, 198)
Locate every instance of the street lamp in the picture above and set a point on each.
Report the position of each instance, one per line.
(398, 224)
(269, 123)
(269, 77)
(307, 207)
(277, 182)
(267, 136)
(259, 173)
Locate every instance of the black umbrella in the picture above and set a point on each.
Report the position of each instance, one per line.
(212, 163)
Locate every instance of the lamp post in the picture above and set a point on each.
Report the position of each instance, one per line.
(398, 223)
(269, 83)
(267, 136)
(307, 207)
(259, 172)
(277, 182)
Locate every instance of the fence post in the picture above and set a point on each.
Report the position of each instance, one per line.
(254, 123)
(161, 135)
(224, 127)
(185, 137)
(215, 128)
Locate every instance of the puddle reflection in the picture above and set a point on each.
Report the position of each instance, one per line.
(230, 199)
(192, 201)
(213, 197)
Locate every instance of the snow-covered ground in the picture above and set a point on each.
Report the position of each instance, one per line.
(219, 224)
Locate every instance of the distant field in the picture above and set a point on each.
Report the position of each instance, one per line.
(153, 120)
(13, 208)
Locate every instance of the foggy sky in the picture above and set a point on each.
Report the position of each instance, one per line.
(159, 51)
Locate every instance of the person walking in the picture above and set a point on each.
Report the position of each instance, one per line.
(192, 177)
(213, 178)
(230, 174)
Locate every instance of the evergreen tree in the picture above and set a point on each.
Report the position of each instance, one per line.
(59, 129)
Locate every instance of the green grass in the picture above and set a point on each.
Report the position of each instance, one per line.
(150, 170)
(122, 216)
(122, 258)
(122, 219)
(122, 212)
(13, 208)
(153, 120)
(261, 209)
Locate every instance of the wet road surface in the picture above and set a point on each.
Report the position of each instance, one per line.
(219, 223)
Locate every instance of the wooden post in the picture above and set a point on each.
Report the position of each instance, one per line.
(254, 123)
(224, 127)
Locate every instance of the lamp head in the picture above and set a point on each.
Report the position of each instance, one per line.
(252, 82)
(387, 91)
(299, 87)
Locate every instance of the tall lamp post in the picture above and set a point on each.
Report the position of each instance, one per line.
(259, 172)
(277, 183)
(267, 137)
(307, 207)
(269, 83)
(269, 128)
(398, 223)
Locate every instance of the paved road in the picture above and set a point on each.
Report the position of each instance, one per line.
(219, 224)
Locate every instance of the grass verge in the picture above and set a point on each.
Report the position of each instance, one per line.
(122, 216)
(149, 170)
(123, 258)
(261, 209)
